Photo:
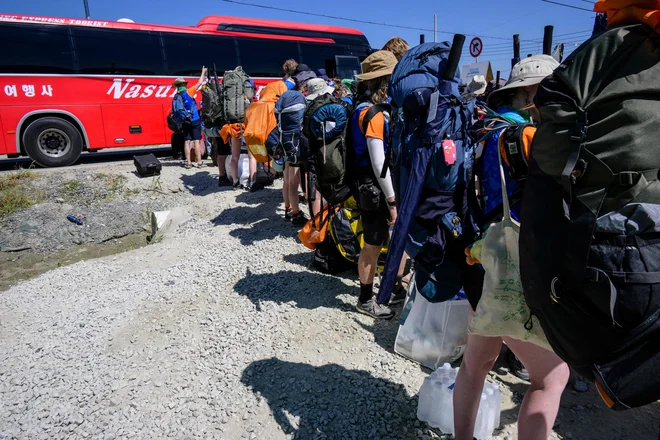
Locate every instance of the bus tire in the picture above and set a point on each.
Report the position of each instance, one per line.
(53, 142)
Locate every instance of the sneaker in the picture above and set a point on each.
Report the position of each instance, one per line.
(398, 296)
(299, 219)
(256, 187)
(288, 214)
(375, 310)
(516, 367)
(224, 181)
(237, 185)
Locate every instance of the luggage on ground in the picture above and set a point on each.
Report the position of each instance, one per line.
(237, 92)
(289, 112)
(177, 141)
(147, 165)
(433, 154)
(590, 228)
(325, 124)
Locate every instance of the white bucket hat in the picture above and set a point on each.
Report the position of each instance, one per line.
(317, 87)
(528, 72)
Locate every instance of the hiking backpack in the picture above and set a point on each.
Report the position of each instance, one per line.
(260, 121)
(289, 112)
(237, 93)
(177, 115)
(212, 104)
(590, 225)
(433, 167)
(325, 123)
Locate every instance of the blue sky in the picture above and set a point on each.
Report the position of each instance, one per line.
(480, 17)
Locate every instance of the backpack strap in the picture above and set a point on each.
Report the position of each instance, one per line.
(512, 146)
(371, 113)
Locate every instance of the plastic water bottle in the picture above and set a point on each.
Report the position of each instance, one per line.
(74, 219)
(497, 398)
(480, 428)
(426, 398)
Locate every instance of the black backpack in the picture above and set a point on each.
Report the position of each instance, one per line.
(324, 124)
(590, 225)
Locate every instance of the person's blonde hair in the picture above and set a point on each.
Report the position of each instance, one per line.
(378, 89)
(289, 67)
(398, 46)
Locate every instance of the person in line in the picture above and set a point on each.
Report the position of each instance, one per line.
(289, 69)
(398, 46)
(192, 128)
(223, 150)
(375, 193)
(302, 76)
(548, 373)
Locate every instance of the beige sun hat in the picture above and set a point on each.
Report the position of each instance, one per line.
(528, 72)
(377, 64)
(317, 87)
(179, 82)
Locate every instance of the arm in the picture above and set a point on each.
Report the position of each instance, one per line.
(377, 155)
(201, 79)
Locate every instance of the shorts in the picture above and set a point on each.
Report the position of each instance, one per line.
(193, 131)
(375, 227)
(223, 148)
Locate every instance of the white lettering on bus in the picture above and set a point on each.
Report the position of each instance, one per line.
(28, 90)
(162, 91)
(11, 90)
(134, 91)
(117, 88)
(148, 91)
(47, 90)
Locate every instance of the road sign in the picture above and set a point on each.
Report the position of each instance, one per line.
(476, 46)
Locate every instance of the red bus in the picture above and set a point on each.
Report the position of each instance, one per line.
(69, 85)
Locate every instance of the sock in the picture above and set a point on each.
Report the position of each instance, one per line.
(287, 208)
(252, 182)
(366, 292)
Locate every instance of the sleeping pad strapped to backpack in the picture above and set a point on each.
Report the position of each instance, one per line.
(325, 122)
(590, 226)
(433, 167)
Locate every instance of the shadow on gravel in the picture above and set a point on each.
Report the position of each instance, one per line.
(200, 183)
(384, 330)
(307, 290)
(263, 217)
(332, 402)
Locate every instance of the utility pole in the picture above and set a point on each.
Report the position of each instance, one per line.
(86, 10)
(435, 28)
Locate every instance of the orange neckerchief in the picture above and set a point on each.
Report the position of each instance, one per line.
(631, 11)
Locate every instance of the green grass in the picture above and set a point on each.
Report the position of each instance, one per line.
(17, 191)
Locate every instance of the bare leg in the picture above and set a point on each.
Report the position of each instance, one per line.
(222, 160)
(549, 376)
(253, 168)
(316, 205)
(480, 355)
(285, 186)
(235, 155)
(294, 181)
(186, 151)
(197, 145)
(367, 263)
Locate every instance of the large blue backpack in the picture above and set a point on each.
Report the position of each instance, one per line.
(432, 225)
(289, 111)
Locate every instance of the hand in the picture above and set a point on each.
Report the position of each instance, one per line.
(393, 215)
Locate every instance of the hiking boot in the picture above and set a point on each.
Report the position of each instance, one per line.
(224, 181)
(288, 214)
(299, 219)
(516, 367)
(375, 310)
(398, 296)
(256, 187)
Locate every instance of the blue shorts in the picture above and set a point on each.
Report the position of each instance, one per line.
(193, 131)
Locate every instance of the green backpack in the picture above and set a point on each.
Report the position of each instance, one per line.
(590, 223)
(237, 93)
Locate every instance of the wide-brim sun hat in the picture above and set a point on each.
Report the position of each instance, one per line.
(317, 87)
(528, 72)
(377, 65)
(179, 82)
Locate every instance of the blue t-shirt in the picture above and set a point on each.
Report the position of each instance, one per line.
(189, 106)
(489, 172)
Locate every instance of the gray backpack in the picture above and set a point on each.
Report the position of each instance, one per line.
(237, 93)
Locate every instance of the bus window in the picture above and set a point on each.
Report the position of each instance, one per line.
(266, 57)
(32, 48)
(318, 55)
(117, 52)
(348, 67)
(186, 54)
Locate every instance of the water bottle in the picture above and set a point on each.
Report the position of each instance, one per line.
(425, 398)
(446, 420)
(74, 219)
(480, 428)
(497, 398)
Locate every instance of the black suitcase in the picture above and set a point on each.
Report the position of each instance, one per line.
(178, 140)
(264, 175)
(147, 165)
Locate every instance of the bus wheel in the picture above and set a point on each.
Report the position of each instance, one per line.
(53, 142)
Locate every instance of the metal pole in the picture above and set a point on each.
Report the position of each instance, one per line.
(421, 38)
(547, 40)
(516, 50)
(435, 28)
(86, 10)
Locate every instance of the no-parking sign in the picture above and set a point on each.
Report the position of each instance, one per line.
(476, 46)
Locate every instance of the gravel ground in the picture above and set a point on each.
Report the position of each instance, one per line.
(222, 331)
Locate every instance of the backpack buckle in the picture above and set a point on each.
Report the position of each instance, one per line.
(627, 178)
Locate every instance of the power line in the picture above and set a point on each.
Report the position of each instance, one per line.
(568, 6)
(354, 20)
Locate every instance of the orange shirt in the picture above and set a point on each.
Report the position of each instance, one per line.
(376, 127)
(192, 91)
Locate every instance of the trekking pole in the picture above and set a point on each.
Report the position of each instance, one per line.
(454, 57)
(516, 50)
(497, 80)
(421, 38)
(547, 40)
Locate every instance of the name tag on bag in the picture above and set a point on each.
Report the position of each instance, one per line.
(449, 149)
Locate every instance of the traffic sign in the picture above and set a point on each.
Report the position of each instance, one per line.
(476, 46)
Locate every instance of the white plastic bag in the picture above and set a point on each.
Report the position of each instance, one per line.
(433, 333)
(243, 168)
(502, 310)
